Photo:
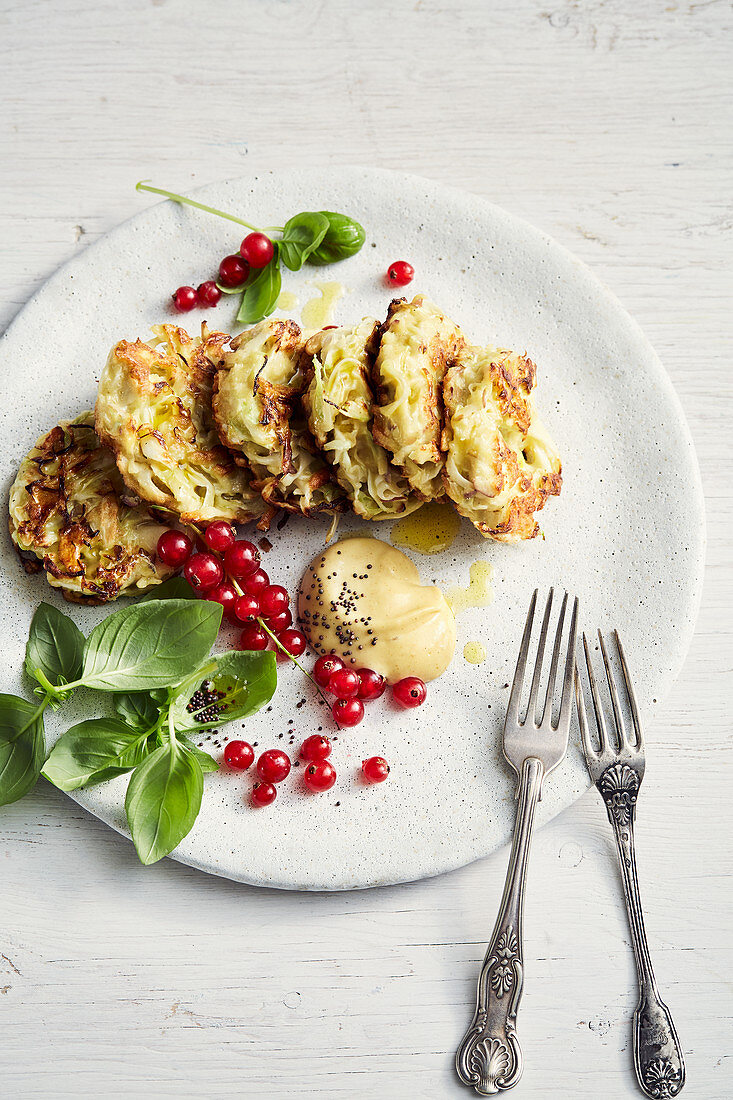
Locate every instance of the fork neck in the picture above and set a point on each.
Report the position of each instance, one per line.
(622, 815)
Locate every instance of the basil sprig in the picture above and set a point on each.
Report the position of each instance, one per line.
(301, 237)
(150, 645)
(93, 752)
(261, 293)
(244, 681)
(22, 747)
(314, 237)
(154, 658)
(163, 800)
(55, 646)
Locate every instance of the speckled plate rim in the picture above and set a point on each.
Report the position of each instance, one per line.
(652, 364)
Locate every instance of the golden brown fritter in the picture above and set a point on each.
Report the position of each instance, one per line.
(72, 515)
(154, 411)
(412, 351)
(338, 401)
(258, 412)
(501, 465)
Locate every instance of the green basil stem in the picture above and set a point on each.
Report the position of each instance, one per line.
(49, 688)
(297, 663)
(53, 695)
(142, 186)
(37, 712)
(171, 731)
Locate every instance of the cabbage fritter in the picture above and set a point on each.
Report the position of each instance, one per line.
(412, 350)
(501, 465)
(154, 411)
(338, 402)
(71, 514)
(258, 413)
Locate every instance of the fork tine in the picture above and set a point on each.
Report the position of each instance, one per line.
(534, 690)
(632, 698)
(566, 700)
(623, 740)
(597, 708)
(551, 685)
(512, 712)
(590, 752)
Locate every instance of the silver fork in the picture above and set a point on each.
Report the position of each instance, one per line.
(489, 1057)
(617, 769)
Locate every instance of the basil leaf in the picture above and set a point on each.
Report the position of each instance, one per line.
(139, 709)
(229, 289)
(344, 238)
(153, 644)
(22, 747)
(175, 588)
(301, 235)
(163, 800)
(245, 681)
(55, 646)
(261, 294)
(93, 752)
(208, 764)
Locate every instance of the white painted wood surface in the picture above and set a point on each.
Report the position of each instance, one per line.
(607, 123)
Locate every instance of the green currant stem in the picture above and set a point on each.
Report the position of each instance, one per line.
(142, 186)
(297, 663)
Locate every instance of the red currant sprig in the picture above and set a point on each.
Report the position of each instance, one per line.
(229, 572)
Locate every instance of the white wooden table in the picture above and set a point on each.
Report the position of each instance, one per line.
(607, 123)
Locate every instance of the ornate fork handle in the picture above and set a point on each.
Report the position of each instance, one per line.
(658, 1061)
(489, 1057)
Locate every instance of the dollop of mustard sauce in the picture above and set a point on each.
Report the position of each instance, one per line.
(363, 600)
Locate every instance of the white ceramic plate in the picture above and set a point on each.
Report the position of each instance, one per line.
(626, 535)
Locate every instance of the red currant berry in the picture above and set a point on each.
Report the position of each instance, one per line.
(263, 794)
(257, 249)
(400, 273)
(371, 684)
(274, 600)
(273, 765)
(320, 776)
(239, 755)
(315, 748)
(253, 637)
(278, 623)
(292, 640)
(256, 582)
(203, 571)
(174, 548)
(375, 769)
(209, 293)
(410, 692)
(233, 271)
(218, 536)
(246, 608)
(241, 559)
(348, 712)
(185, 299)
(226, 595)
(343, 683)
(324, 667)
